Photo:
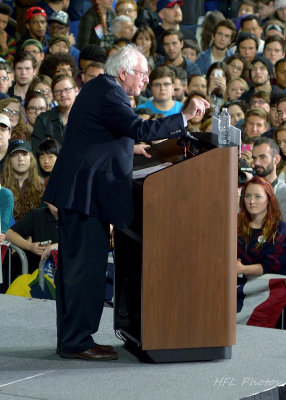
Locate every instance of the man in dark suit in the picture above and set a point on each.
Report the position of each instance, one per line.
(91, 186)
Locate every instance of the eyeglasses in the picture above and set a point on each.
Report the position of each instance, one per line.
(4, 78)
(63, 70)
(143, 74)
(235, 67)
(257, 102)
(59, 92)
(13, 113)
(125, 11)
(36, 51)
(42, 91)
(34, 110)
(164, 84)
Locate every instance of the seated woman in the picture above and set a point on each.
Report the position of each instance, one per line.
(14, 111)
(35, 104)
(22, 178)
(261, 231)
(235, 88)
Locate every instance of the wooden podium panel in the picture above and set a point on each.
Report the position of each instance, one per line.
(175, 268)
(189, 253)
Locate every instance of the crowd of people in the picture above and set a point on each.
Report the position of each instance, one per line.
(232, 61)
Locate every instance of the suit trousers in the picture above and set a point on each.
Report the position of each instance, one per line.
(80, 279)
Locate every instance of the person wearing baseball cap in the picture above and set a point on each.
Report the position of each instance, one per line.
(59, 44)
(18, 145)
(59, 23)
(36, 26)
(170, 13)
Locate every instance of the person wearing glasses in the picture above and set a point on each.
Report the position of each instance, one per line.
(52, 123)
(91, 186)
(42, 84)
(162, 81)
(25, 66)
(13, 109)
(5, 81)
(35, 104)
(35, 48)
(58, 64)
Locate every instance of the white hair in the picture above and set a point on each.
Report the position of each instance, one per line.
(115, 24)
(126, 58)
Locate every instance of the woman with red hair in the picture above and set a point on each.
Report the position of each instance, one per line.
(261, 231)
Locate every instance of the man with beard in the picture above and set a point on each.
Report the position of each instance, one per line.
(222, 36)
(266, 156)
(261, 74)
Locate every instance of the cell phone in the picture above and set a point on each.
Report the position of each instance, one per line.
(217, 73)
(246, 147)
(45, 243)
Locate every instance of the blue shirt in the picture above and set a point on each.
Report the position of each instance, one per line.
(174, 110)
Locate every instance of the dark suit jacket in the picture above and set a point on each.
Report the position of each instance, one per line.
(93, 172)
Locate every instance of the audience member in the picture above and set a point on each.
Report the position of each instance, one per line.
(211, 19)
(25, 69)
(171, 17)
(36, 26)
(256, 123)
(91, 53)
(47, 154)
(180, 84)
(121, 27)
(42, 84)
(13, 109)
(280, 74)
(95, 23)
(236, 109)
(92, 71)
(57, 64)
(172, 41)
(274, 27)
(195, 124)
(247, 46)
(22, 178)
(7, 42)
(261, 74)
(39, 225)
(260, 99)
(197, 82)
(273, 110)
(127, 7)
(246, 7)
(162, 85)
(6, 207)
(217, 78)
(51, 124)
(252, 24)
(261, 232)
(145, 38)
(223, 35)
(237, 66)
(266, 156)
(5, 135)
(147, 15)
(59, 23)
(280, 138)
(5, 82)
(265, 10)
(35, 104)
(59, 44)
(190, 50)
(280, 11)
(235, 88)
(35, 48)
(281, 109)
(274, 48)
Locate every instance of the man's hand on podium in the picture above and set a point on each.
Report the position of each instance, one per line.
(141, 149)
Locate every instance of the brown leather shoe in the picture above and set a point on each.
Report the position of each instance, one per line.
(100, 346)
(96, 353)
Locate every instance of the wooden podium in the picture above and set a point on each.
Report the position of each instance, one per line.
(175, 268)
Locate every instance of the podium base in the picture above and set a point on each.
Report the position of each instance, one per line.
(179, 355)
